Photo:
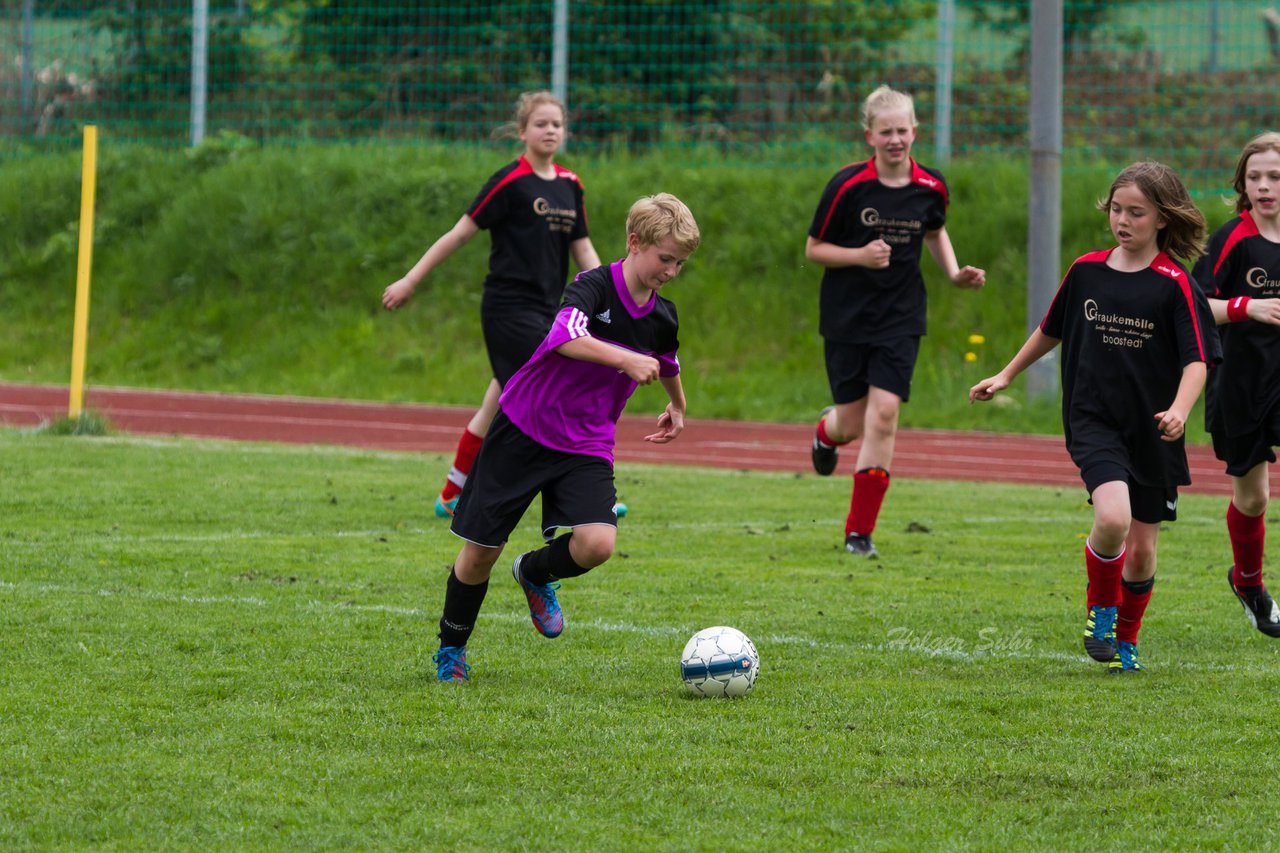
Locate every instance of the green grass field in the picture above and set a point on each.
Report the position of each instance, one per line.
(213, 645)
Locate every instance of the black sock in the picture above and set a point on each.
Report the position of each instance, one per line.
(461, 607)
(1139, 587)
(550, 563)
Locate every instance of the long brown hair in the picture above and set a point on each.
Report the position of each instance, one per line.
(1182, 237)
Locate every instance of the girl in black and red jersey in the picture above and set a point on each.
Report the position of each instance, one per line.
(1241, 272)
(870, 225)
(536, 218)
(1137, 338)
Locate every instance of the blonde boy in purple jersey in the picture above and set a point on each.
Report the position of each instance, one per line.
(1241, 275)
(873, 220)
(1137, 337)
(554, 431)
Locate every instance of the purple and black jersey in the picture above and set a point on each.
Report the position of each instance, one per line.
(863, 305)
(1126, 338)
(572, 405)
(532, 222)
(1246, 388)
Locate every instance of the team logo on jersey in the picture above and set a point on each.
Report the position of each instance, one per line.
(1093, 315)
(1174, 274)
(603, 317)
(927, 181)
(542, 207)
(1257, 277)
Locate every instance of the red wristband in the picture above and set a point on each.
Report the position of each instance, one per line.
(1238, 309)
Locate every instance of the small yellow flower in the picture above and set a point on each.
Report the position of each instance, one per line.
(977, 339)
(971, 356)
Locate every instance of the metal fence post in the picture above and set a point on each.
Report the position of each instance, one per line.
(560, 51)
(28, 58)
(1044, 208)
(199, 68)
(945, 78)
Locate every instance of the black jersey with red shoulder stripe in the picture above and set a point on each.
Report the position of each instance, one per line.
(1246, 388)
(1126, 337)
(859, 304)
(532, 222)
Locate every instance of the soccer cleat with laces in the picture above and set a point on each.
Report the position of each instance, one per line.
(824, 458)
(451, 663)
(1259, 607)
(544, 609)
(446, 508)
(1100, 633)
(860, 546)
(1125, 661)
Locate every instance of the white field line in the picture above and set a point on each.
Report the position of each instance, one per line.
(928, 646)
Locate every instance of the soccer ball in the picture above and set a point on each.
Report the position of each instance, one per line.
(719, 661)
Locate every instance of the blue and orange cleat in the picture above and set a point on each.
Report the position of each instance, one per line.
(544, 609)
(446, 508)
(451, 663)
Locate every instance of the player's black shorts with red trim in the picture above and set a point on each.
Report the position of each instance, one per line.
(512, 469)
(1148, 504)
(853, 368)
(1243, 453)
(511, 338)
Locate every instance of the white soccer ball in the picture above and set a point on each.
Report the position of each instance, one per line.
(719, 661)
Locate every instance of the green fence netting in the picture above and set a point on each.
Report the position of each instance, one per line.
(1185, 81)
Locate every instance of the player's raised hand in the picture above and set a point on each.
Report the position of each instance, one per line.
(969, 277)
(876, 254)
(641, 368)
(670, 425)
(988, 388)
(397, 293)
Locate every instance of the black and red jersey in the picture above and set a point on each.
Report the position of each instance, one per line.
(858, 304)
(1126, 336)
(1246, 388)
(532, 222)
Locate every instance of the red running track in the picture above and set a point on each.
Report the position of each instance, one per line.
(919, 454)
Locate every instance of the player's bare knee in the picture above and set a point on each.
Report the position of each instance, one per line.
(592, 545)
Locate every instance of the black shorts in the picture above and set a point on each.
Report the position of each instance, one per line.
(1242, 453)
(1148, 504)
(852, 369)
(511, 338)
(512, 469)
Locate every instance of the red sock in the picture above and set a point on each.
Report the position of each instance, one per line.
(1104, 578)
(869, 486)
(1248, 533)
(468, 447)
(1134, 596)
(826, 439)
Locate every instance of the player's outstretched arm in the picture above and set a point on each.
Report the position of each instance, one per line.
(671, 421)
(1037, 345)
(401, 290)
(944, 254)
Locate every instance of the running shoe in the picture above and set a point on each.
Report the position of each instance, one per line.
(451, 663)
(1125, 661)
(1259, 608)
(860, 546)
(1100, 633)
(446, 508)
(824, 458)
(544, 609)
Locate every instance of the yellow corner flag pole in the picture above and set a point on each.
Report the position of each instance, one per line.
(83, 266)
